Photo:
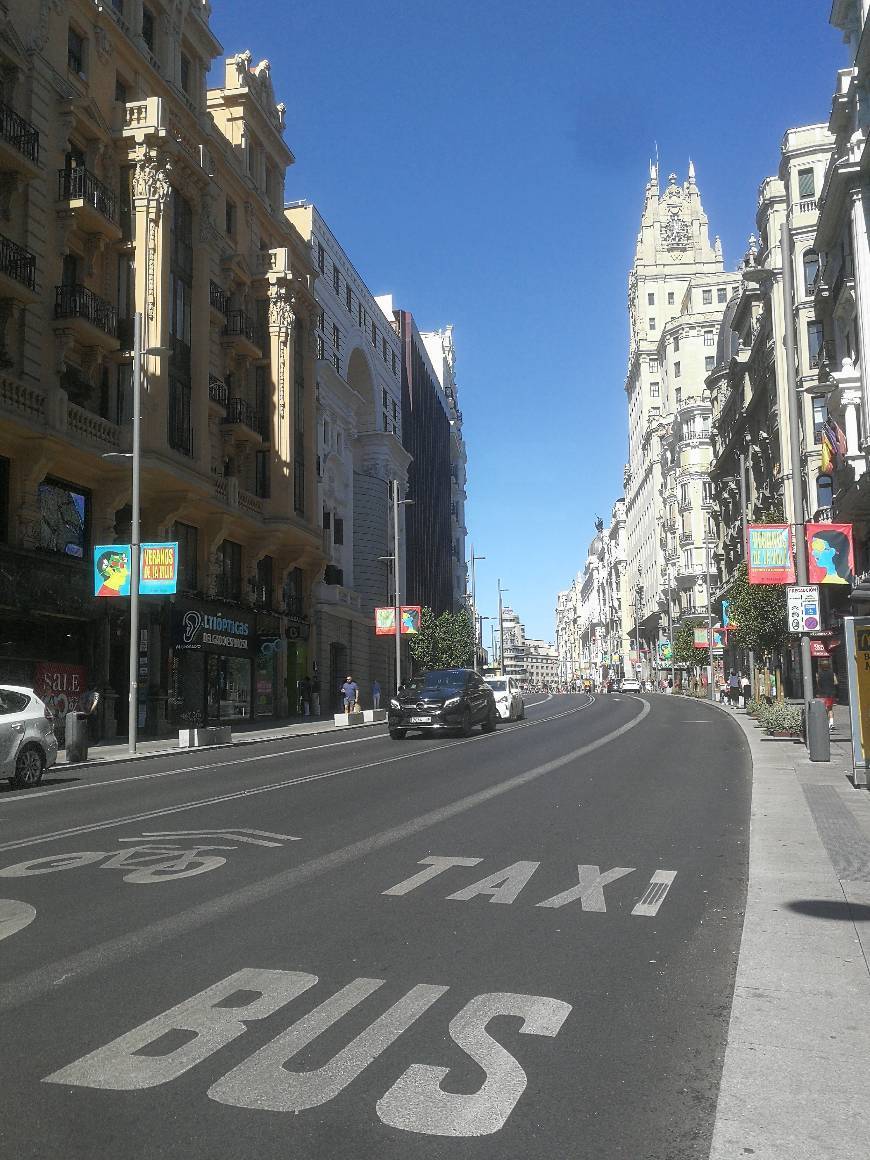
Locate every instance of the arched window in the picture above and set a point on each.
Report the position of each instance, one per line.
(811, 271)
(824, 491)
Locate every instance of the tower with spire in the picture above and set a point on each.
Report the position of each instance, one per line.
(677, 292)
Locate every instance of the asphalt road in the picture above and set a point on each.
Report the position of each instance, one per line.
(519, 945)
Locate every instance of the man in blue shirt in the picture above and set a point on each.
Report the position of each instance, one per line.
(350, 692)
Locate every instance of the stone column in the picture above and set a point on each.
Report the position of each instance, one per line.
(861, 259)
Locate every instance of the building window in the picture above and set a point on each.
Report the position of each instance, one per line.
(670, 298)
(394, 362)
(806, 183)
(360, 317)
(263, 591)
(653, 365)
(230, 218)
(338, 531)
(321, 321)
(824, 491)
(722, 295)
(320, 346)
(321, 258)
(687, 559)
(709, 363)
(148, 28)
(651, 299)
(185, 73)
(676, 343)
(64, 515)
(654, 390)
(299, 421)
(678, 394)
(651, 323)
(348, 297)
(336, 337)
(120, 90)
(229, 570)
(75, 51)
(815, 342)
(820, 417)
(187, 537)
(707, 297)
(709, 338)
(336, 279)
(677, 370)
(374, 336)
(384, 348)
(811, 271)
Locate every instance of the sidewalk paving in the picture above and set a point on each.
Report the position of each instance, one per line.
(799, 1037)
(101, 752)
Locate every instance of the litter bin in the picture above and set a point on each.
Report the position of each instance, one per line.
(76, 736)
(818, 734)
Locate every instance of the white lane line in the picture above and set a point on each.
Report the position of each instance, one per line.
(18, 799)
(17, 991)
(112, 823)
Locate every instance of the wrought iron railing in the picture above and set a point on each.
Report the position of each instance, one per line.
(217, 297)
(217, 390)
(79, 302)
(17, 263)
(239, 325)
(80, 184)
(241, 411)
(19, 133)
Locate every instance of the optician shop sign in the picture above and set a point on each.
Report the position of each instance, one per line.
(197, 629)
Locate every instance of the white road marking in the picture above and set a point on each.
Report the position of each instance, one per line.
(655, 893)
(21, 989)
(240, 834)
(17, 799)
(436, 866)
(14, 916)
(218, 799)
(589, 889)
(503, 886)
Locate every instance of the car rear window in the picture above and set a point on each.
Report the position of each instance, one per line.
(497, 686)
(11, 702)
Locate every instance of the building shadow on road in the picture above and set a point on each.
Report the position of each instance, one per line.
(826, 908)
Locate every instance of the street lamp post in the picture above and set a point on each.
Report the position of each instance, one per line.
(671, 630)
(474, 560)
(710, 689)
(501, 624)
(135, 536)
(397, 589)
(638, 597)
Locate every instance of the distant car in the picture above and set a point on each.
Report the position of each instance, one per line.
(629, 685)
(442, 700)
(27, 742)
(508, 699)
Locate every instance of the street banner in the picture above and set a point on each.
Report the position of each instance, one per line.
(410, 617)
(803, 607)
(665, 652)
(830, 554)
(726, 615)
(702, 640)
(770, 555)
(158, 569)
(112, 569)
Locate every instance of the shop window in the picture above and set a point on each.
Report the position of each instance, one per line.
(64, 515)
(188, 551)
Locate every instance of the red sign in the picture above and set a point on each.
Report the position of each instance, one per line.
(770, 555)
(818, 648)
(59, 685)
(830, 554)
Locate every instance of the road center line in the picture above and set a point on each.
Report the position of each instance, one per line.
(34, 984)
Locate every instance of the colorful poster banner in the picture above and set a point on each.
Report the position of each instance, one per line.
(830, 554)
(112, 569)
(410, 616)
(702, 640)
(770, 555)
(665, 652)
(158, 569)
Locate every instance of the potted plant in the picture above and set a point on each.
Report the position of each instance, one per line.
(783, 720)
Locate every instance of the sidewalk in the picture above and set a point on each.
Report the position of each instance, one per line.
(246, 734)
(799, 1039)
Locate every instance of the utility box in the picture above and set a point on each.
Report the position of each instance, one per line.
(76, 736)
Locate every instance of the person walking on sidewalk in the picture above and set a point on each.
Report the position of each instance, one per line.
(376, 694)
(826, 687)
(350, 693)
(734, 687)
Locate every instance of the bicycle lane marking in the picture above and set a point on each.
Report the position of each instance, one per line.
(25, 988)
(43, 793)
(288, 783)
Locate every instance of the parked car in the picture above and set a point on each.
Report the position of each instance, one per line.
(27, 742)
(441, 700)
(629, 685)
(508, 699)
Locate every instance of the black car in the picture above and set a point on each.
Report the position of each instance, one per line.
(443, 699)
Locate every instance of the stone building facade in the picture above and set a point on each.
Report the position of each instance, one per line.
(126, 186)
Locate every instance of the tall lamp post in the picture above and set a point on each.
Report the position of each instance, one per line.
(478, 639)
(638, 598)
(397, 589)
(501, 625)
(474, 560)
(671, 628)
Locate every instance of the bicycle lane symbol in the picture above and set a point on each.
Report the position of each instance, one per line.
(147, 863)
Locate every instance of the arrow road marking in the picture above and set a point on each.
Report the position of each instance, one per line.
(240, 834)
(655, 893)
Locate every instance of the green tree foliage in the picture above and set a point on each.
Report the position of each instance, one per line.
(758, 612)
(685, 652)
(443, 642)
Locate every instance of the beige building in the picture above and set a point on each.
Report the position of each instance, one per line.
(542, 663)
(127, 187)
(677, 292)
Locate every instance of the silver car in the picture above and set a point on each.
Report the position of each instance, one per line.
(27, 742)
(509, 700)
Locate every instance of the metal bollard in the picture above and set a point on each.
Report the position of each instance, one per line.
(76, 736)
(818, 735)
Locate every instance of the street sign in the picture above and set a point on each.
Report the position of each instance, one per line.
(803, 607)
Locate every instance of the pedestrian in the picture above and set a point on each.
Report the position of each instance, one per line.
(670, 684)
(746, 689)
(350, 694)
(376, 694)
(734, 687)
(89, 703)
(826, 687)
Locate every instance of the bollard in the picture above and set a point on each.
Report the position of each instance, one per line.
(818, 735)
(76, 736)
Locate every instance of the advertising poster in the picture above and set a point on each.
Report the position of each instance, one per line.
(770, 555)
(385, 621)
(412, 615)
(112, 570)
(830, 554)
(158, 569)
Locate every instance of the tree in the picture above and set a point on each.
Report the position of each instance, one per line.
(443, 642)
(758, 613)
(685, 652)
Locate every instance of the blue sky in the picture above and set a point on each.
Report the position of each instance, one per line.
(486, 162)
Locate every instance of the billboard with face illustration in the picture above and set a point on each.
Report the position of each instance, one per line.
(830, 554)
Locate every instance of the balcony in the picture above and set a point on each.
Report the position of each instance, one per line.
(241, 421)
(219, 302)
(19, 144)
(93, 321)
(180, 435)
(217, 392)
(94, 205)
(17, 272)
(240, 334)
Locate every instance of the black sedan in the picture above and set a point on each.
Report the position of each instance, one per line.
(454, 699)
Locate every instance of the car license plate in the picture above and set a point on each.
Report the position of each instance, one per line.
(421, 720)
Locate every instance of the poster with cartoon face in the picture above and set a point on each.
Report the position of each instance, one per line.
(830, 554)
(112, 570)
